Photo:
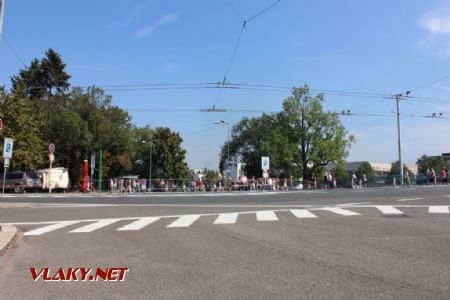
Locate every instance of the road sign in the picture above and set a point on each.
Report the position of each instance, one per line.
(265, 174)
(1, 123)
(6, 164)
(93, 160)
(51, 148)
(51, 157)
(265, 163)
(8, 148)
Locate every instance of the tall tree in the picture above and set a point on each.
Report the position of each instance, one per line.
(247, 143)
(313, 135)
(21, 124)
(168, 157)
(365, 168)
(428, 162)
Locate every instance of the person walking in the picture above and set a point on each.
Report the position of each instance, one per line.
(444, 175)
(365, 180)
(354, 186)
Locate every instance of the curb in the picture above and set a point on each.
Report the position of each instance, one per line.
(7, 233)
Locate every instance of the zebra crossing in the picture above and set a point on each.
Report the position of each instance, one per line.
(228, 218)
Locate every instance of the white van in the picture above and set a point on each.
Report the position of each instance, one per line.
(58, 179)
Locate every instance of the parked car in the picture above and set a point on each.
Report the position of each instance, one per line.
(20, 182)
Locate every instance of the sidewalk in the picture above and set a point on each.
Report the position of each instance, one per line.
(7, 233)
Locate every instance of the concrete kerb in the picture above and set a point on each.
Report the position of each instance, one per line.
(7, 234)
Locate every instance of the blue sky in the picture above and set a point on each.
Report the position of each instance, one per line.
(384, 47)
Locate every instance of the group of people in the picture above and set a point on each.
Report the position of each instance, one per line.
(127, 185)
(432, 177)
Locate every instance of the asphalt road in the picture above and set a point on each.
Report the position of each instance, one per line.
(338, 244)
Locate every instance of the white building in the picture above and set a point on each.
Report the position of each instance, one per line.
(380, 169)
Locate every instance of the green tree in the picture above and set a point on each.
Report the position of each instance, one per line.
(168, 157)
(247, 143)
(428, 162)
(42, 78)
(395, 169)
(314, 135)
(21, 124)
(365, 168)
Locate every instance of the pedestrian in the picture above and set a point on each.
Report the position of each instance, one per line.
(443, 175)
(365, 180)
(354, 181)
(325, 180)
(111, 187)
(330, 180)
(433, 176)
(143, 184)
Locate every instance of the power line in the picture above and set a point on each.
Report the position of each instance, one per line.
(430, 83)
(13, 51)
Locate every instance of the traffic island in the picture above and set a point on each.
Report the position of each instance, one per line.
(7, 234)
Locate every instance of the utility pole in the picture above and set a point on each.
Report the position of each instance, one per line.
(398, 97)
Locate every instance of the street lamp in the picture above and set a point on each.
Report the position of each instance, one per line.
(228, 143)
(149, 165)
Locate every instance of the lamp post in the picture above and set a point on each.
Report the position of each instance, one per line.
(228, 141)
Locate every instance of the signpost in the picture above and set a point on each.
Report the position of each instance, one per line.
(7, 155)
(92, 170)
(51, 158)
(265, 163)
(265, 166)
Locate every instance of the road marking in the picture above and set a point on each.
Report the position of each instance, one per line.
(95, 226)
(52, 227)
(439, 210)
(352, 204)
(340, 211)
(229, 218)
(139, 224)
(412, 199)
(389, 210)
(267, 215)
(302, 213)
(184, 221)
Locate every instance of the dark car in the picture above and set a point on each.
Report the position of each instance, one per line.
(20, 182)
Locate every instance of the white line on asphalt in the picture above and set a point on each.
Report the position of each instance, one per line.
(448, 196)
(340, 211)
(439, 210)
(184, 221)
(95, 226)
(139, 224)
(352, 204)
(302, 213)
(389, 210)
(49, 228)
(411, 199)
(228, 218)
(267, 215)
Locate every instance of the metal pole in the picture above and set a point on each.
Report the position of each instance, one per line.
(398, 96)
(4, 179)
(228, 144)
(100, 165)
(50, 179)
(150, 169)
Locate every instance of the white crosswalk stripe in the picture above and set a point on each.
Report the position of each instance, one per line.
(226, 218)
(184, 221)
(389, 210)
(52, 227)
(340, 211)
(139, 224)
(267, 215)
(439, 210)
(302, 213)
(95, 226)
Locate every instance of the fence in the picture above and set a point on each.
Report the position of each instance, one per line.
(187, 185)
